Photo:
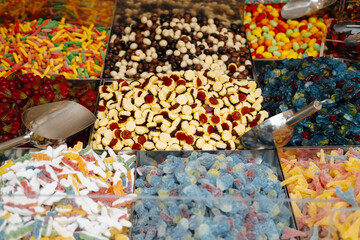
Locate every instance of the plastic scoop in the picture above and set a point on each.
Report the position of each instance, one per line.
(51, 124)
(298, 8)
(277, 130)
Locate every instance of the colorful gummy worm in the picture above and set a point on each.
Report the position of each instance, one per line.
(66, 193)
(80, 12)
(313, 174)
(221, 189)
(271, 36)
(47, 47)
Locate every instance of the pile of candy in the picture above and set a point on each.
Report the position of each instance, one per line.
(47, 47)
(319, 175)
(351, 11)
(173, 43)
(271, 36)
(19, 92)
(298, 82)
(82, 12)
(67, 193)
(183, 110)
(218, 192)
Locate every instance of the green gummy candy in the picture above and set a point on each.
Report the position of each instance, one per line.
(295, 46)
(23, 158)
(296, 30)
(254, 40)
(317, 47)
(267, 36)
(289, 32)
(86, 73)
(309, 25)
(85, 150)
(248, 14)
(276, 53)
(248, 33)
(88, 237)
(20, 232)
(272, 49)
(273, 23)
(79, 71)
(265, 29)
(304, 46)
(273, 41)
(280, 43)
(288, 21)
(252, 26)
(247, 22)
(306, 34)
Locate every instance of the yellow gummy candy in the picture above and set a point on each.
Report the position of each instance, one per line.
(306, 191)
(214, 171)
(310, 172)
(109, 160)
(297, 210)
(296, 171)
(353, 231)
(71, 155)
(312, 209)
(6, 167)
(77, 147)
(290, 180)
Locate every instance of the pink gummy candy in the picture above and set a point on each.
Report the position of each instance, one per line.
(287, 162)
(353, 152)
(357, 184)
(340, 151)
(318, 187)
(292, 233)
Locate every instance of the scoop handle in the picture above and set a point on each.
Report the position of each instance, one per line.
(15, 142)
(305, 112)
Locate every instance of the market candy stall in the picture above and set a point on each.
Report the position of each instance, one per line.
(173, 86)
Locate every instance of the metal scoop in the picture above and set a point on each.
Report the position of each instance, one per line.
(347, 26)
(277, 130)
(298, 8)
(51, 124)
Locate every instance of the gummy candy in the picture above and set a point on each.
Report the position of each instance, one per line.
(326, 174)
(46, 194)
(208, 204)
(302, 81)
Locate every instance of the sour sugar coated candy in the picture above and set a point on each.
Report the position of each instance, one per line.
(66, 193)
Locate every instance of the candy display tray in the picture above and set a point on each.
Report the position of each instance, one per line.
(129, 13)
(154, 158)
(305, 153)
(344, 13)
(75, 86)
(271, 157)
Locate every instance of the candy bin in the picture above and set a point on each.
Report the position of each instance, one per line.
(175, 36)
(178, 111)
(48, 47)
(350, 10)
(77, 12)
(22, 91)
(272, 37)
(210, 194)
(66, 193)
(326, 180)
(294, 83)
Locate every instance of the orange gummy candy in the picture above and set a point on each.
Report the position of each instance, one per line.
(40, 156)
